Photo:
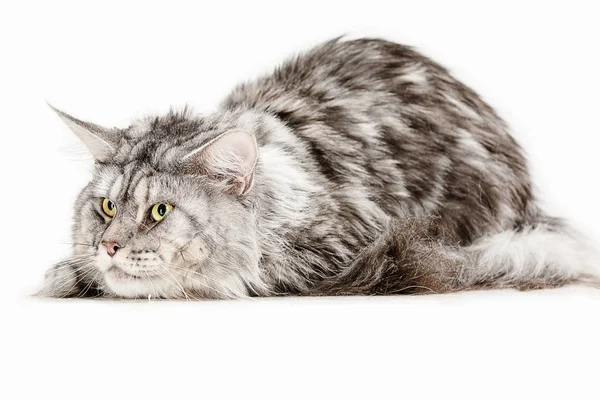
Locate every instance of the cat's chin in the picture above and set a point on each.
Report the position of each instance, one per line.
(126, 285)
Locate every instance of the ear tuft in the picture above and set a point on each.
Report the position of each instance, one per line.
(99, 141)
(230, 159)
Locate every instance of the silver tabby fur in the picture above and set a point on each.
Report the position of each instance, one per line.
(375, 172)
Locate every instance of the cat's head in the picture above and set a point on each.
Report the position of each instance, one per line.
(169, 210)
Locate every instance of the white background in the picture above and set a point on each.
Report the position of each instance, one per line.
(536, 63)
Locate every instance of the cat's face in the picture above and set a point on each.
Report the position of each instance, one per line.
(165, 217)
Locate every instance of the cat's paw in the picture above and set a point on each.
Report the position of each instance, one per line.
(60, 281)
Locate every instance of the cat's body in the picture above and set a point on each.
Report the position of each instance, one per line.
(360, 167)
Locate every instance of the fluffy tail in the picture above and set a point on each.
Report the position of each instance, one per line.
(415, 256)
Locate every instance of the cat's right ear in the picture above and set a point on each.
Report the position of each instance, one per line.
(229, 159)
(100, 141)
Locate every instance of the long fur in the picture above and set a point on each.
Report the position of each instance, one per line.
(358, 167)
(411, 256)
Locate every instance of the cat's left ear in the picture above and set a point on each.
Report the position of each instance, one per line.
(229, 159)
(100, 141)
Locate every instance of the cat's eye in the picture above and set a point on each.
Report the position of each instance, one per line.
(159, 211)
(108, 207)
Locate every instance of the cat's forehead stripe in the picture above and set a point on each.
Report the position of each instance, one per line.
(116, 188)
(104, 181)
(123, 189)
(140, 191)
(137, 187)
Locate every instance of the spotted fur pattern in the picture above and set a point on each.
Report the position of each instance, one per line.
(359, 167)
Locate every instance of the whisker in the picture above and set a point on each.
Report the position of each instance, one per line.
(156, 293)
(79, 244)
(178, 269)
(176, 282)
(207, 286)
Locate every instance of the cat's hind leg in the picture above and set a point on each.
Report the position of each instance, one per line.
(417, 256)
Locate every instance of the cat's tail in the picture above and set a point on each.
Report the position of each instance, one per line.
(414, 256)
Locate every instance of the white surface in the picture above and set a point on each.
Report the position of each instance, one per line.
(536, 63)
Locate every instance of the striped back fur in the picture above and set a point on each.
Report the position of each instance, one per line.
(358, 167)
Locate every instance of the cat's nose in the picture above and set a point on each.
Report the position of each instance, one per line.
(111, 247)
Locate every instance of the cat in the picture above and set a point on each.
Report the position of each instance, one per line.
(359, 167)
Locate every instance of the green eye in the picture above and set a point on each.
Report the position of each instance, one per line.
(109, 208)
(159, 211)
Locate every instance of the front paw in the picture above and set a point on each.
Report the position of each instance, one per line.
(60, 281)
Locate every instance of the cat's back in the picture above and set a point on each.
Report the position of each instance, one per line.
(335, 70)
(379, 116)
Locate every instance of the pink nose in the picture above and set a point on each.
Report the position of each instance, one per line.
(111, 247)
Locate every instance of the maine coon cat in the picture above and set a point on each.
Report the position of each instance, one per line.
(358, 167)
